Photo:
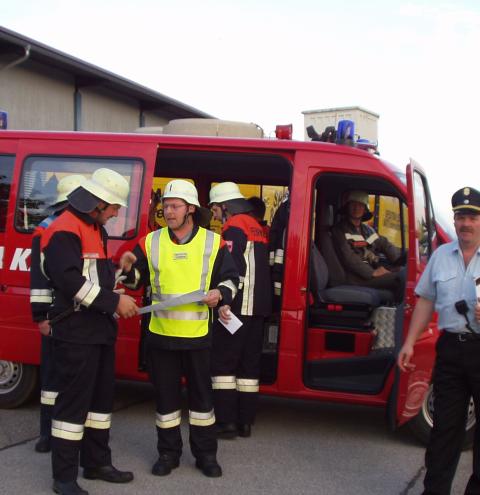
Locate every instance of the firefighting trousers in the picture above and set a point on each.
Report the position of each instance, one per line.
(82, 412)
(456, 378)
(48, 392)
(236, 370)
(166, 368)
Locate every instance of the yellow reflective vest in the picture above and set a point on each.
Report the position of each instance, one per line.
(177, 269)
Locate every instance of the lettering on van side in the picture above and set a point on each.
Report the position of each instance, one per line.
(19, 260)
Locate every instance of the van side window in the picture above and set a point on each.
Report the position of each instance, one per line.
(38, 189)
(272, 196)
(422, 220)
(6, 172)
(389, 218)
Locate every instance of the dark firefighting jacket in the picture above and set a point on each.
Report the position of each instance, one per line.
(41, 293)
(74, 258)
(276, 247)
(360, 250)
(247, 242)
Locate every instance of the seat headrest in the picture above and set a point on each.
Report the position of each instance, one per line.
(327, 217)
(318, 274)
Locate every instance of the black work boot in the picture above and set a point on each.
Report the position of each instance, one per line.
(209, 466)
(43, 444)
(68, 488)
(164, 465)
(108, 473)
(226, 431)
(244, 430)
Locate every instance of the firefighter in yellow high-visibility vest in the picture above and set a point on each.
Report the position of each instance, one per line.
(180, 259)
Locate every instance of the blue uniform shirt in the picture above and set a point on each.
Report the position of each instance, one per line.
(446, 281)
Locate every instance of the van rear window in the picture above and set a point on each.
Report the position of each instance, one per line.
(6, 172)
(41, 175)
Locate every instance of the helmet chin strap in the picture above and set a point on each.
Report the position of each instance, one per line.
(185, 218)
(100, 209)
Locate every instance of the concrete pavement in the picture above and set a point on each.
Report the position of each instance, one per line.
(297, 447)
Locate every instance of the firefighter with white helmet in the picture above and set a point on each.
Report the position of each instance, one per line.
(369, 260)
(178, 260)
(236, 358)
(84, 330)
(40, 301)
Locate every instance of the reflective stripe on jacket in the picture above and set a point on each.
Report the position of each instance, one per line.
(248, 244)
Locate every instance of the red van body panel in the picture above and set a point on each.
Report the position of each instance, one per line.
(308, 162)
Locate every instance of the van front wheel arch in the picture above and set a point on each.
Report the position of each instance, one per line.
(422, 423)
(18, 383)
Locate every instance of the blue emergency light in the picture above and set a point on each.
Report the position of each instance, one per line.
(367, 145)
(3, 119)
(345, 132)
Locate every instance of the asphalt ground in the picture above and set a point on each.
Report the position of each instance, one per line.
(297, 447)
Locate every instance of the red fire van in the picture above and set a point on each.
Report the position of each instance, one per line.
(322, 344)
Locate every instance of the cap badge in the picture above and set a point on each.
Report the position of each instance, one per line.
(466, 201)
(466, 191)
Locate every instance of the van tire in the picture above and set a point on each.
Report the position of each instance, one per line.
(421, 424)
(18, 383)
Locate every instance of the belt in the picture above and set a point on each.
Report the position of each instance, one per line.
(463, 336)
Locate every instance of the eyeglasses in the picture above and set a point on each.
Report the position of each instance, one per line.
(173, 207)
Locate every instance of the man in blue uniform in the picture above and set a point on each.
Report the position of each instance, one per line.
(449, 286)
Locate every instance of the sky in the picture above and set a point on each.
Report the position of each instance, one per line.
(416, 63)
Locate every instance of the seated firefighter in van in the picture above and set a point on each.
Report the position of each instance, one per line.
(369, 260)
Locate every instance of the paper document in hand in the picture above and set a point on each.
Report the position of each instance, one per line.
(233, 325)
(190, 297)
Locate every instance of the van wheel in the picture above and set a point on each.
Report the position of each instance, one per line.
(422, 423)
(18, 382)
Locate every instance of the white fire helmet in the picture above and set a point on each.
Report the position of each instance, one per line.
(68, 184)
(181, 189)
(109, 186)
(225, 191)
(359, 196)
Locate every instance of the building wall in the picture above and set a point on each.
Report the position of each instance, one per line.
(366, 123)
(152, 120)
(104, 112)
(37, 99)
